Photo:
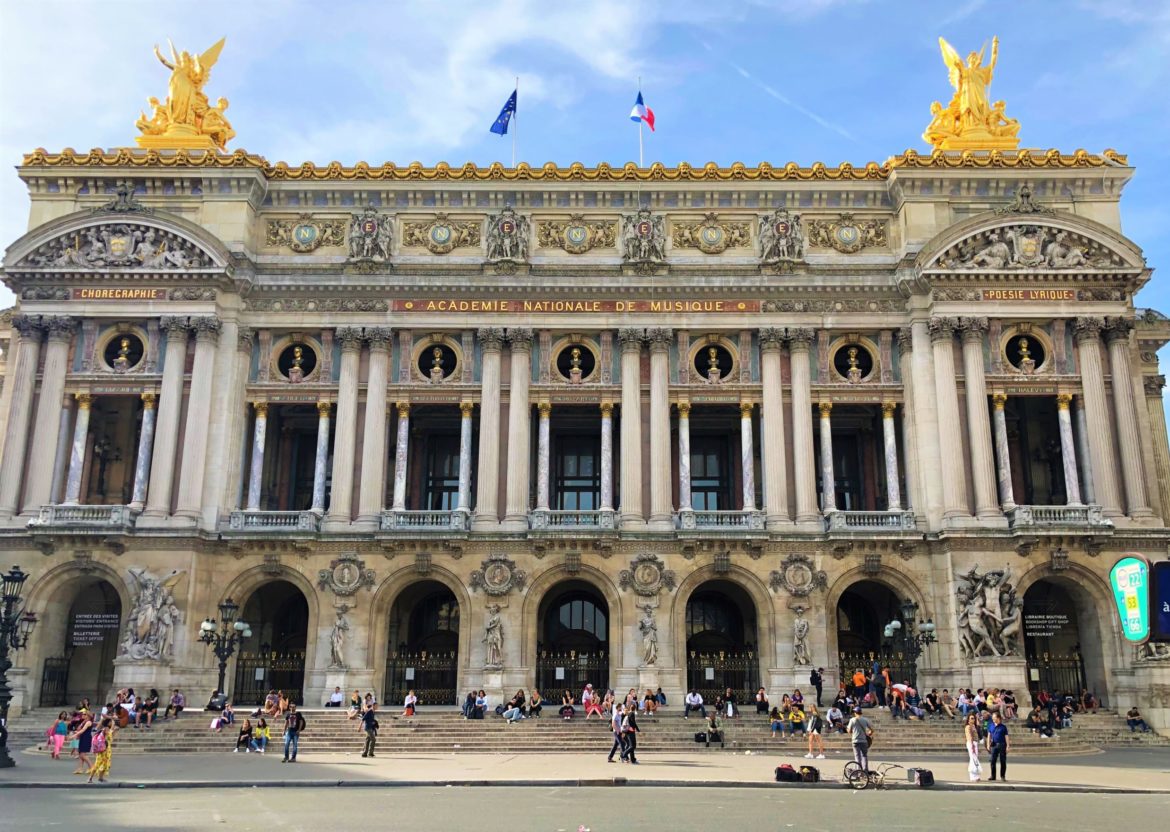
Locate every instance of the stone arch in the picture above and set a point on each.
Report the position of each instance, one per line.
(747, 581)
(900, 584)
(544, 583)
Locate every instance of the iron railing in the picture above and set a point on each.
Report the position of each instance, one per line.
(711, 674)
(432, 677)
(258, 673)
(558, 670)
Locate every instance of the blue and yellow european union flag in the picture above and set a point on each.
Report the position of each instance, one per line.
(500, 126)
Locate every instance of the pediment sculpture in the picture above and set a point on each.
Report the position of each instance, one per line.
(1028, 246)
(118, 246)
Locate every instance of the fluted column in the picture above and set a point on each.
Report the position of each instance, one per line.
(466, 409)
(1084, 460)
(373, 476)
(978, 423)
(1068, 452)
(170, 403)
(48, 414)
(256, 470)
(198, 418)
(1098, 426)
(519, 430)
(401, 452)
(802, 433)
(772, 451)
(828, 477)
(606, 456)
(77, 450)
(926, 420)
(661, 510)
(890, 443)
(1137, 502)
(542, 454)
(1007, 499)
(631, 459)
(684, 456)
(321, 459)
(946, 393)
(913, 494)
(488, 482)
(345, 429)
(22, 378)
(145, 447)
(747, 456)
(64, 446)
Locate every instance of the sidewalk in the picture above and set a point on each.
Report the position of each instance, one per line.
(1141, 771)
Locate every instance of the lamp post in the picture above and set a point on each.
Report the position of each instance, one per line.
(224, 639)
(911, 643)
(16, 625)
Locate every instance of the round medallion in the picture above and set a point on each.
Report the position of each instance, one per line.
(644, 228)
(305, 237)
(782, 228)
(846, 238)
(497, 576)
(712, 235)
(576, 239)
(507, 227)
(369, 227)
(440, 234)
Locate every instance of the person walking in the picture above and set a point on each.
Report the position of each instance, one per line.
(817, 680)
(630, 735)
(861, 735)
(999, 744)
(83, 733)
(616, 723)
(56, 735)
(814, 727)
(370, 726)
(103, 746)
(971, 738)
(294, 723)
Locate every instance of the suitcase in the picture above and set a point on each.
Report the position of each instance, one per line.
(787, 774)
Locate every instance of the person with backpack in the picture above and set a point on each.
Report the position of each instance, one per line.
(817, 680)
(861, 735)
(815, 727)
(630, 735)
(294, 724)
(103, 747)
(370, 726)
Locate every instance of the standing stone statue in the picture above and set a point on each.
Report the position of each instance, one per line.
(149, 634)
(493, 637)
(649, 630)
(337, 638)
(800, 628)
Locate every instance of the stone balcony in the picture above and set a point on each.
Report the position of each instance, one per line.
(870, 521)
(424, 522)
(556, 520)
(689, 520)
(274, 522)
(1087, 518)
(103, 518)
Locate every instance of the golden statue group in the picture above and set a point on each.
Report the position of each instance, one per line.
(971, 121)
(186, 119)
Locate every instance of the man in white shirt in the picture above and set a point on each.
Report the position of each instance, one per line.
(835, 719)
(336, 699)
(694, 702)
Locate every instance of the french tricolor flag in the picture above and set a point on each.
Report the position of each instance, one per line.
(642, 113)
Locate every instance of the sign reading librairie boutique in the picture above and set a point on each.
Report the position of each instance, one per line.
(538, 306)
(1130, 579)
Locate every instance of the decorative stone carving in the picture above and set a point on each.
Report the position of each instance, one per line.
(124, 201)
(644, 239)
(441, 235)
(346, 575)
(371, 235)
(45, 293)
(711, 236)
(118, 246)
(798, 575)
(498, 575)
(520, 338)
(800, 628)
(1153, 385)
(576, 235)
(337, 638)
(647, 575)
(1088, 328)
(315, 305)
(153, 617)
(490, 337)
(192, 293)
(1022, 203)
(781, 237)
(493, 638)
(823, 305)
(306, 233)
(507, 236)
(649, 630)
(846, 235)
(1152, 651)
(989, 613)
(1017, 247)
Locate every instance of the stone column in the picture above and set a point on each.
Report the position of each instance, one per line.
(1152, 388)
(145, 446)
(1068, 453)
(802, 434)
(519, 430)
(256, 471)
(345, 429)
(684, 456)
(373, 462)
(946, 393)
(631, 460)
(466, 409)
(77, 451)
(542, 453)
(772, 451)
(486, 501)
(912, 498)
(321, 459)
(170, 403)
(1137, 502)
(198, 418)
(401, 454)
(661, 510)
(22, 380)
(1007, 499)
(890, 440)
(1084, 461)
(48, 415)
(747, 456)
(828, 478)
(926, 424)
(606, 456)
(1099, 430)
(978, 423)
(64, 445)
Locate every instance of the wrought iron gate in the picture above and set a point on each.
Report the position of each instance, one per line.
(54, 682)
(258, 673)
(432, 677)
(557, 670)
(902, 669)
(1056, 674)
(711, 674)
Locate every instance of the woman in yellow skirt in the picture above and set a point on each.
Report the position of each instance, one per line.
(103, 747)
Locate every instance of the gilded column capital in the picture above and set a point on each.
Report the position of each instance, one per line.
(941, 329)
(1063, 400)
(520, 339)
(973, 328)
(905, 337)
(771, 338)
(825, 408)
(148, 401)
(1088, 328)
(745, 409)
(999, 400)
(244, 336)
(889, 409)
(466, 409)
(207, 328)
(631, 339)
(799, 337)
(1117, 329)
(261, 409)
(544, 409)
(403, 409)
(350, 338)
(378, 337)
(84, 400)
(175, 326)
(659, 338)
(491, 338)
(60, 327)
(324, 409)
(607, 410)
(684, 410)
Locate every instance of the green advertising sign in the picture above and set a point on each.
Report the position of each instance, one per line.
(1130, 579)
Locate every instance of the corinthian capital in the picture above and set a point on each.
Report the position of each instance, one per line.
(206, 328)
(659, 338)
(60, 327)
(942, 329)
(175, 326)
(771, 338)
(520, 338)
(631, 338)
(350, 338)
(1117, 329)
(378, 337)
(799, 337)
(29, 326)
(973, 328)
(1088, 328)
(490, 337)
(905, 339)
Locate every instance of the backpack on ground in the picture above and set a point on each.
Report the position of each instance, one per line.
(787, 774)
(922, 777)
(700, 736)
(810, 774)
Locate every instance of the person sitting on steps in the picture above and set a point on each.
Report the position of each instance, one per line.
(714, 729)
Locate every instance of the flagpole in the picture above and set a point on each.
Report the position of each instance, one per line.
(516, 118)
(639, 126)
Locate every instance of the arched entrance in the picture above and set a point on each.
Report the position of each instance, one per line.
(1062, 639)
(422, 652)
(573, 640)
(863, 611)
(274, 657)
(722, 641)
(84, 643)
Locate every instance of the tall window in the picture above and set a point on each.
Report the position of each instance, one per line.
(441, 488)
(577, 475)
(710, 480)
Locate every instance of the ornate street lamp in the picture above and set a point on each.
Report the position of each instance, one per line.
(16, 625)
(911, 643)
(223, 641)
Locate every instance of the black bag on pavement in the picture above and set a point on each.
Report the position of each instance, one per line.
(922, 777)
(787, 774)
(810, 774)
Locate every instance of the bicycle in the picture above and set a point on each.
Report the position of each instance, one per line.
(858, 778)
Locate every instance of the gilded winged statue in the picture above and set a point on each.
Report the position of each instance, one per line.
(186, 119)
(971, 121)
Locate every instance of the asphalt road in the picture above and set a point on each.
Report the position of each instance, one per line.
(503, 809)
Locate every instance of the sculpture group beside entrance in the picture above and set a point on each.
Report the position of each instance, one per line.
(990, 613)
(153, 618)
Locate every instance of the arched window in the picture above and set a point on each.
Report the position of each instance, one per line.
(576, 621)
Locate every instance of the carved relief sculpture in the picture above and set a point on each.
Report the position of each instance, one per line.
(150, 626)
(646, 576)
(441, 235)
(643, 240)
(971, 121)
(798, 575)
(710, 235)
(345, 575)
(989, 613)
(576, 235)
(498, 575)
(781, 237)
(186, 119)
(370, 236)
(507, 236)
(1016, 247)
(306, 233)
(847, 235)
(118, 246)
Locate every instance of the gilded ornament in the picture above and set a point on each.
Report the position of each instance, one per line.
(971, 121)
(711, 236)
(186, 119)
(306, 233)
(441, 235)
(576, 235)
(845, 234)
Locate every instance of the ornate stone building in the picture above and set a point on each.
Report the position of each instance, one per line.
(484, 427)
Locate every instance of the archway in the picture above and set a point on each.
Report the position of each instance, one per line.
(573, 639)
(722, 641)
(423, 644)
(863, 611)
(81, 644)
(1062, 639)
(274, 657)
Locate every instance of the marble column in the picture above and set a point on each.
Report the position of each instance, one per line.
(1007, 499)
(802, 433)
(256, 471)
(194, 456)
(64, 446)
(1084, 462)
(1137, 501)
(345, 429)
(22, 379)
(542, 455)
(946, 393)
(1098, 427)
(661, 510)
(321, 459)
(684, 456)
(631, 459)
(145, 447)
(772, 450)
(978, 422)
(1068, 452)
(466, 409)
(47, 420)
(519, 430)
(890, 441)
(747, 456)
(170, 405)
(401, 454)
(77, 450)
(488, 474)
(606, 456)
(373, 462)
(912, 498)
(828, 478)
(926, 424)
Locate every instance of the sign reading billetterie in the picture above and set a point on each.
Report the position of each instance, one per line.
(1130, 579)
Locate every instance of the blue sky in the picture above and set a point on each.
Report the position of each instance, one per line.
(746, 80)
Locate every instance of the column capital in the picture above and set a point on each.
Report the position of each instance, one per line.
(1063, 400)
(148, 401)
(175, 326)
(684, 410)
(905, 337)
(799, 337)
(520, 338)
(261, 409)
(28, 326)
(1088, 328)
(350, 338)
(826, 408)
(889, 409)
(84, 400)
(324, 409)
(378, 337)
(59, 327)
(941, 329)
(1153, 385)
(466, 409)
(544, 409)
(207, 328)
(403, 409)
(659, 338)
(1117, 329)
(244, 336)
(771, 338)
(491, 338)
(973, 328)
(631, 339)
(745, 409)
(606, 410)
(999, 400)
